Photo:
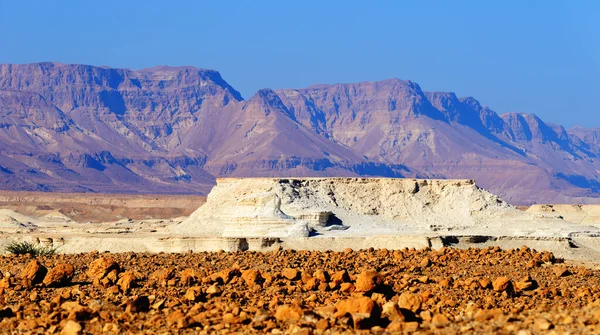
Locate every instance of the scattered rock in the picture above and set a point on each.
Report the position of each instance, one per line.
(291, 274)
(391, 311)
(347, 287)
(138, 304)
(410, 301)
(451, 296)
(440, 321)
(213, 289)
(59, 275)
(71, 328)
(33, 273)
(340, 277)
(288, 313)
(501, 284)
(322, 276)
(542, 324)
(363, 305)
(188, 277)
(251, 277)
(561, 271)
(193, 293)
(368, 281)
(127, 281)
(101, 267)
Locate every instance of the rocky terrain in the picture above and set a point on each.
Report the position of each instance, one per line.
(446, 291)
(81, 128)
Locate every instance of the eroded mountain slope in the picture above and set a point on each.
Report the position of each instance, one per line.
(175, 129)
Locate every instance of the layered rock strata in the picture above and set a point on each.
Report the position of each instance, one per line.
(294, 207)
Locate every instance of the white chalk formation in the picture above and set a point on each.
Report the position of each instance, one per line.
(301, 207)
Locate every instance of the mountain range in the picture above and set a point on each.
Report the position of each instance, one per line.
(82, 128)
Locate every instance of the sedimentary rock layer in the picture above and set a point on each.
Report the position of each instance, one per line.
(294, 207)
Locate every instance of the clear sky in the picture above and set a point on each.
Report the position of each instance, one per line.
(539, 57)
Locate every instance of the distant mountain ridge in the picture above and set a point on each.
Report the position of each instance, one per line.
(166, 129)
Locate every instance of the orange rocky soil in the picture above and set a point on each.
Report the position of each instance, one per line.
(446, 291)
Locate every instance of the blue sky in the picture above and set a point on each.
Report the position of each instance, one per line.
(539, 57)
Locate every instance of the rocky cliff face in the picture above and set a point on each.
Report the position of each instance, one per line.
(174, 129)
(437, 134)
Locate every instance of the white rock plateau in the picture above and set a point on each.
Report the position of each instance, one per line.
(321, 207)
(328, 214)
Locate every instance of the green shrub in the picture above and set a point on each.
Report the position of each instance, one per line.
(22, 248)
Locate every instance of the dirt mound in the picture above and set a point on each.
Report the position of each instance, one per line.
(448, 291)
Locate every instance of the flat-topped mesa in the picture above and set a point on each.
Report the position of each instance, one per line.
(299, 207)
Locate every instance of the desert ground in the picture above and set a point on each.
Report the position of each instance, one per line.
(445, 291)
(300, 256)
(95, 208)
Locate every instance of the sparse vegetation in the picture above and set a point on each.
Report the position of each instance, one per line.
(22, 248)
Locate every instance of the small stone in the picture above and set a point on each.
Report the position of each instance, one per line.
(112, 290)
(425, 262)
(288, 313)
(178, 319)
(361, 320)
(127, 281)
(561, 271)
(71, 328)
(347, 287)
(27, 325)
(501, 284)
(59, 275)
(33, 273)
(410, 301)
(291, 274)
(395, 326)
(367, 281)
(251, 277)
(524, 285)
(426, 315)
(322, 276)
(159, 304)
(101, 267)
(410, 327)
(391, 311)
(193, 293)
(138, 304)
(567, 320)
(439, 321)
(213, 289)
(542, 324)
(356, 305)
(161, 276)
(340, 277)
(188, 277)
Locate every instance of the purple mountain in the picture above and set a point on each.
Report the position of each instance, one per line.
(81, 128)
